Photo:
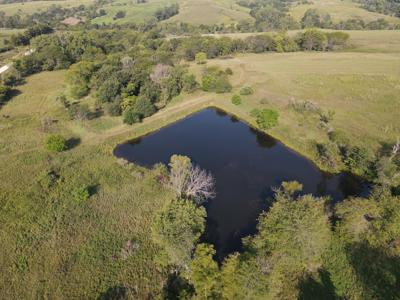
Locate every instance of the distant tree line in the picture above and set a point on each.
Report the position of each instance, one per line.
(388, 7)
(134, 73)
(24, 38)
(310, 39)
(166, 12)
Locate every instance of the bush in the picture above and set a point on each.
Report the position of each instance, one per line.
(267, 118)
(131, 116)
(189, 83)
(247, 90)
(119, 15)
(312, 39)
(79, 112)
(80, 194)
(144, 107)
(222, 85)
(228, 71)
(215, 80)
(201, 58)
(113, 109)
(236, 100)
(56, 143)
(4, 93)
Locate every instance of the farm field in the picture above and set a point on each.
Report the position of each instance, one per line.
(191, 11)
(339, 10)
(36, 6)
(362, 89)
(211, 12)
(78, 223)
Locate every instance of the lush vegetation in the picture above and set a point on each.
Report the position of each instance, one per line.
(78, 223)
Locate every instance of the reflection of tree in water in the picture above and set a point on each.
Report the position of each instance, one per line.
(263, 140)
(351, 185)
(220, 112)
(234, 119)
(211, 234)
(322, 186)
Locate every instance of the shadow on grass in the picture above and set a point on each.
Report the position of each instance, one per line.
(323, 289)
(72, 143)
(378, 272)
(114, 293)
(177, 288)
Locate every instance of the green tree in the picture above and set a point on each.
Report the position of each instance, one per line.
(292, 238)
(189, 83)
(204, 272)
(267, 118)
(131, 116)
(4, 93)
(177, 229)
(109, 90)
(201, 58)
(236, 100)
(144, 107)
(56, 143)
(78, 77)
(312, 39)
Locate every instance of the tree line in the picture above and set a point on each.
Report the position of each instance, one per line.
(306, 247)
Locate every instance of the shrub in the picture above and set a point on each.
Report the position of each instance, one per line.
(247, 90)
(113, 109)
(131, 116)
(144, 107)
(236, 100)
(267, 118)
(80, 194)
(4, 93)
(79, 112)
(228, 71)
(222, 85)
(56, 143)
(189, 83)
(201, 58)
(119, 15)
(356, 159)
(215, 80)
(312, 39)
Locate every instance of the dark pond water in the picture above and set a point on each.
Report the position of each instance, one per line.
(246, 164)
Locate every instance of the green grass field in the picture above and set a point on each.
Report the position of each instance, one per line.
(339, 10)
(37, 6)
(210, 12)
(135, 13)
(191, 11)
(362, 89)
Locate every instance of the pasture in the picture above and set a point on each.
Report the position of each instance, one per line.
(339, 10)
(24, 8)
(67, 249)
(361, 88)
(191, 11)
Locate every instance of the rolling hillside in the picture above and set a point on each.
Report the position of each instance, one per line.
(339, 10)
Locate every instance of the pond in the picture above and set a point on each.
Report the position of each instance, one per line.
(246, 164)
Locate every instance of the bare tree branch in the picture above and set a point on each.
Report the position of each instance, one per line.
(200, 185)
